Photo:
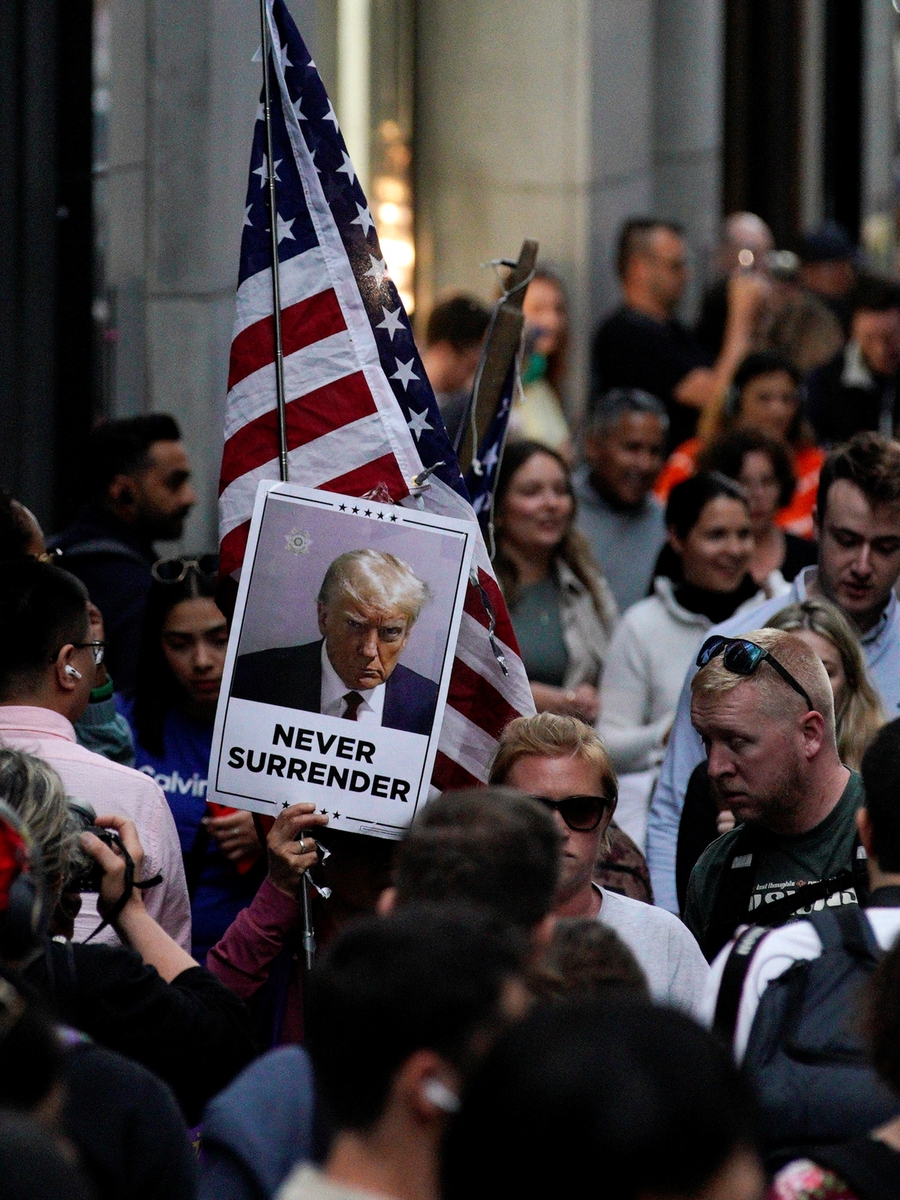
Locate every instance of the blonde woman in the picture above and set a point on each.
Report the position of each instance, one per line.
(857, 709)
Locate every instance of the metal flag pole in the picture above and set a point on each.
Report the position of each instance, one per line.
(308, 935)
(273, 232)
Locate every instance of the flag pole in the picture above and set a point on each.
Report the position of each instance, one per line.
(273, 231)
(308, 935)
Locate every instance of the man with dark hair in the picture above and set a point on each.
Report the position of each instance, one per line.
(138, 479)
(490, 846)
(47, 669)
(828, 267)
(643, 345)
(400, 1008)
(454, 337)
(624, 447)
(857, 389)
(858, 526)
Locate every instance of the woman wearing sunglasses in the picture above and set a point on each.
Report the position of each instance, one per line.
(710, 541)
(172, 712)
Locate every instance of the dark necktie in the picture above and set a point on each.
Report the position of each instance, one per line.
(353, 700)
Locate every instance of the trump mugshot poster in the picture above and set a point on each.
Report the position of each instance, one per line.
(339, 659)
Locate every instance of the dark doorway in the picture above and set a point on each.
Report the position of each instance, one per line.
(842, 142)
(46, 240)
(761, 167)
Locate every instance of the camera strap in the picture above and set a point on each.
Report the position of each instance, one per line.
(129, 885)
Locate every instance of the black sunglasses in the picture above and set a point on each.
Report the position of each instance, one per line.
(743, 657)
(174, 570)
(582, 814)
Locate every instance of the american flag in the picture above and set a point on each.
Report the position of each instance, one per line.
(361, 414)
(481, 480)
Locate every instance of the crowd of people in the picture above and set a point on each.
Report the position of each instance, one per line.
(659, 947)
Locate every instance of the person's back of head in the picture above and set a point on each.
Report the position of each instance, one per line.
(881, 778)
(17, 531)
(429, 978)
(42, 609)
(585, 959)
(637, 1098)
(491, 846)
(461, 321)
(121, 448)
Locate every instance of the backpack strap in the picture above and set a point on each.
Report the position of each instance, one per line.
(731, 986)
(731, 906)
(848, 927)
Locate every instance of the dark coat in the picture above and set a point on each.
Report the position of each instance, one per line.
(291, 676)
(838, 410)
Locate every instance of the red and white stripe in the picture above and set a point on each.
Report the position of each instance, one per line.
(347, 434)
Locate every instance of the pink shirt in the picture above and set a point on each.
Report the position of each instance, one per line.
(115, 789)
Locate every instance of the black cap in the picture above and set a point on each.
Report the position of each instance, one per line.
(829, 243)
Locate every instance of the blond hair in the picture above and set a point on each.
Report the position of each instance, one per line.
(35, 793)
(549, 735)
(373, 579)
(859, 715)
(797, 659)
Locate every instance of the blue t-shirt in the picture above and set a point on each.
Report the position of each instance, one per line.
(221, 890)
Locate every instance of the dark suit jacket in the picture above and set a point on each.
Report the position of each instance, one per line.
(291, 676)
(838, 410)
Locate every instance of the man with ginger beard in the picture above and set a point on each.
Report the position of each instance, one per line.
(763, 707)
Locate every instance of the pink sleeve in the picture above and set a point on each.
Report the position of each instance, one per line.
(243, 956)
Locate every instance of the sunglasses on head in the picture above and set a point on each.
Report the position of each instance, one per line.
(174, 570)
(582, 814)
(743, 657)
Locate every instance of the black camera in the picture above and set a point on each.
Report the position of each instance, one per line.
(86, 874)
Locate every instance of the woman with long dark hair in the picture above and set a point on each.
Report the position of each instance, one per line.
(172, 712)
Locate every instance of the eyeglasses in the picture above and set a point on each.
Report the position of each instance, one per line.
(743, 657)
(175, 570)
(582, 814)
(98, 648)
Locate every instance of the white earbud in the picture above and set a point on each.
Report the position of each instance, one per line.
(437, 1092)
(70, 670)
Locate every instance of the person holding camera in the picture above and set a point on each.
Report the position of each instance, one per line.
(149, 1001)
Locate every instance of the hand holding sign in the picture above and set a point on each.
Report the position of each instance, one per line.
(290, 858)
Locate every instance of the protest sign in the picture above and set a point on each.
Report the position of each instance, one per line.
(340, 656)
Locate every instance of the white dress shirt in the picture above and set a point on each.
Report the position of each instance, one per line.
(334, 691)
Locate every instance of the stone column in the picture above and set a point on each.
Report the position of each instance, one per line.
(544, 118)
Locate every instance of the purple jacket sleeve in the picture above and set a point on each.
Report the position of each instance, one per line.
(242, 958)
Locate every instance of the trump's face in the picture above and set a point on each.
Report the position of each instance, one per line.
(363, 644)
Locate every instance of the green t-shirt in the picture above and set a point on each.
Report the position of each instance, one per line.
(537, 621)
(780, 864)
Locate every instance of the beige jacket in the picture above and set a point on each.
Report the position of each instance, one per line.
(587, 637)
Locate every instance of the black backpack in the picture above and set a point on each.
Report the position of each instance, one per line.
(806, 1056)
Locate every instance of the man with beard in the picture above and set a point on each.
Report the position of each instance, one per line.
(763, 707)
(857, 521)
(140, 492)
